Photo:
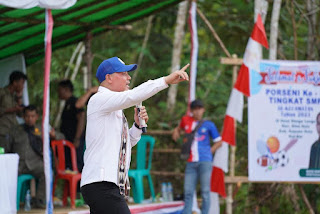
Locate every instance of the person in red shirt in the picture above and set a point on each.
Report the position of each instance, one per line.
(199, 163)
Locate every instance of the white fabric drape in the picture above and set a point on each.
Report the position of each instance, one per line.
(8, 180)
(50, 4)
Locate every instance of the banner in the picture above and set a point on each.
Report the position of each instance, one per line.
(283, 128)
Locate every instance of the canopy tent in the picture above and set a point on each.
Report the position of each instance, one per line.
(22, 30)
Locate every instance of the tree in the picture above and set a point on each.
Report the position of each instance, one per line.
(311, 19)
(274, 29)
(176, 52)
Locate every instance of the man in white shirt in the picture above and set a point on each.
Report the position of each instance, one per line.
(104, 182)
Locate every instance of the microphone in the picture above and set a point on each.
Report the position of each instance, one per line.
(142, 122)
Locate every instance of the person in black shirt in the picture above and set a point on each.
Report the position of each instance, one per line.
(84, 99)
(72, 122)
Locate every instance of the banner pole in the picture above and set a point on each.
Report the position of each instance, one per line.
(46, 112)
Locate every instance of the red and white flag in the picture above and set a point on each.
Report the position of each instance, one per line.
(45, 113)
(251, 59)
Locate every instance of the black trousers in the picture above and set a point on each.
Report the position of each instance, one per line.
(104, 198)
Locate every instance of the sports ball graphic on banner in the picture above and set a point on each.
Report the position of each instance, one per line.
(271, 157)
(281, 158)
(284, 121)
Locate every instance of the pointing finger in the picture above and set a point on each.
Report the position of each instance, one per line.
(185, 67)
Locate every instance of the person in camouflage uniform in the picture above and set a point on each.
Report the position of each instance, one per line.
(26, 141)
(10, 105)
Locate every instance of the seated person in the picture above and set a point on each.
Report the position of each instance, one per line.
(26, 141)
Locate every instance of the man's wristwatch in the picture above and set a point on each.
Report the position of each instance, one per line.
(136, 125)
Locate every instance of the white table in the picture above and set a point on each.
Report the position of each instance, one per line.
(8, 183)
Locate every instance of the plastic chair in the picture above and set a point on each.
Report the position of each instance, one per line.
(142, 170)
(22, 187)
(71, 177)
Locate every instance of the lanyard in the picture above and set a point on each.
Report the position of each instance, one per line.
(123, 181)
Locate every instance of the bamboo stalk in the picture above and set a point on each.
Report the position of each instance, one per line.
(159, 132)
(229, 199)
(143, 47)
(165, 173)
(295, 40)
(216, 36)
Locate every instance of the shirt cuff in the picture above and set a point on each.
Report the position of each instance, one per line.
(135, 132)
(217, 139)
(135, 135)
(164, 82)
(136, 125)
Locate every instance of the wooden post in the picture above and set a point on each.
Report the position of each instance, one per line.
(235, 62)
(88, 58)
(229, 199)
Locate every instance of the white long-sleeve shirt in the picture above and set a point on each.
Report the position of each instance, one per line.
(104, 127)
